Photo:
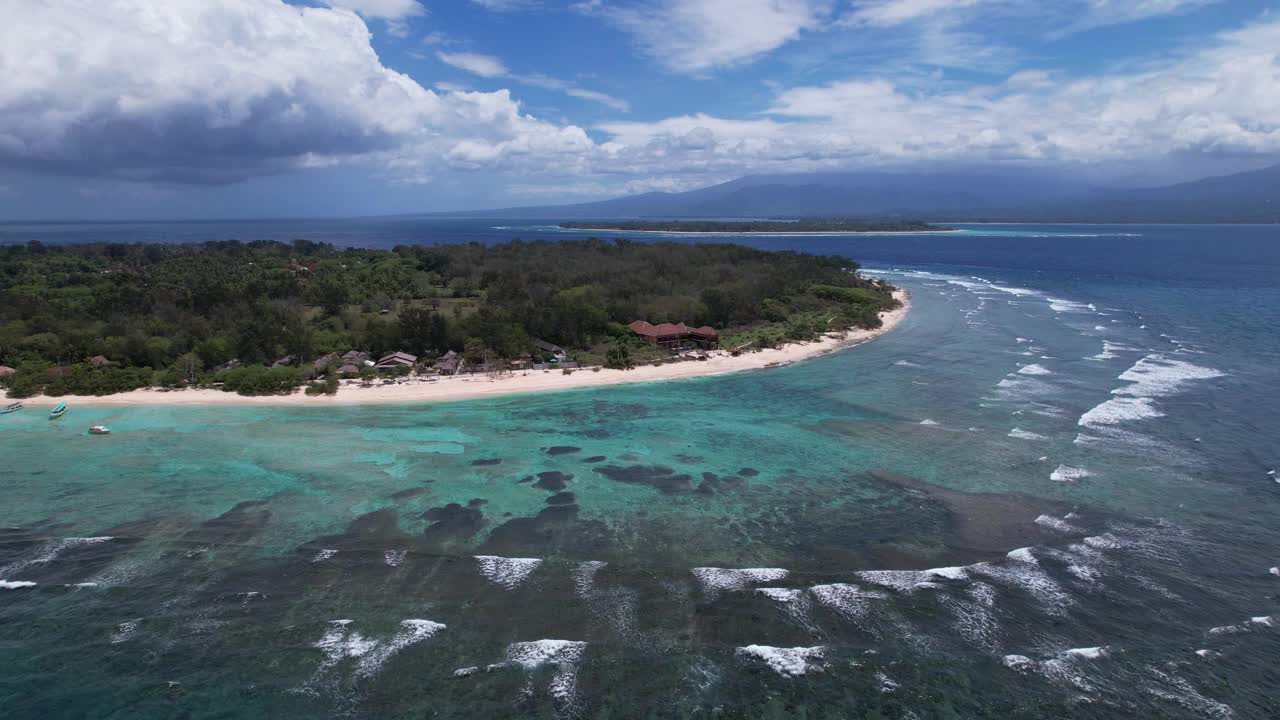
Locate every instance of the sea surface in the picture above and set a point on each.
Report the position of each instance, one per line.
(1049, 493)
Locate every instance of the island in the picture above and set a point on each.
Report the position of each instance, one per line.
(263, 319)
(776, 226)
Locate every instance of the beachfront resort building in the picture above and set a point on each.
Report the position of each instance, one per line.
(677, 337)
(397, 360)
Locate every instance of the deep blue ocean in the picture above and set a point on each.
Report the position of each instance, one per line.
(1051, 492)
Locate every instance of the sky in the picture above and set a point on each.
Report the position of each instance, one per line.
(166, 109)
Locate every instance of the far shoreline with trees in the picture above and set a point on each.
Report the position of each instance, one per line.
(746, 227)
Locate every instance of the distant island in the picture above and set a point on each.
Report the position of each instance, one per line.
(264, 318)
(759, 226)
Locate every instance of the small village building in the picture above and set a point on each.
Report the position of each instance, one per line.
(285, 361)
(349, 369)
(397, 360)
(6, 371)
(552, 349)
(448, 363)
(677, 337)
(357, 357)
(99, 361)
(322, 363)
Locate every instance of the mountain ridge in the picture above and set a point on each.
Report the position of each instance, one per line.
(976, 195)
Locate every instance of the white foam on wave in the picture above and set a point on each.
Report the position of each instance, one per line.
(909, 581)
(1105, 541)
(1054, 523)
(1035, 370)
(906, 363)
(1021, 434)
(715, 579)
(15, 584)
(1182, 693)
(584, 576)
(1263, 620)
(1065, 668)
(1109, 350)
(1067, 306)
(927, 421)
(506, 572)
(340, 642)
(1023, 571)
(850, 601)
(563, 655)
(1067, 473)
(1158, 375)
(323, 555)
(124, 631)
(1275, 571)
(1120, 410)
(49, 552)
(410, 632)
(394, 557)
(787, 662)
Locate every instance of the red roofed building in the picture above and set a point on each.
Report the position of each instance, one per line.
(676, 336)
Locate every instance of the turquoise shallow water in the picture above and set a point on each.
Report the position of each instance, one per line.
(700, 548)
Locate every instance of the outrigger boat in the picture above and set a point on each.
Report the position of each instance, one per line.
(15, 407)
(99, 430)
(58, 411)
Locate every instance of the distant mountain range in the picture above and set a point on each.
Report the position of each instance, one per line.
(997, 195)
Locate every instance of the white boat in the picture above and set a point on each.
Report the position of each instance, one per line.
(99, 430)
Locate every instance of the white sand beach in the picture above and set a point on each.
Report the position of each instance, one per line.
(468, 387)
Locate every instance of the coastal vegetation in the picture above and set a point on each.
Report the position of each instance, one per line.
(255, 317)
(758, 226)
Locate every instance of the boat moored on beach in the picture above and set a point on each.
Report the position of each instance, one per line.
(58, 411)
(14, 407)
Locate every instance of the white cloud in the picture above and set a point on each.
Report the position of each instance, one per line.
(488, 66)
(1099, 13)
(894, 12)
(1222, 99)
(483, 65)
(395, 13)
(506, 5)
(380, 9)
(221, 90)
(693, 36)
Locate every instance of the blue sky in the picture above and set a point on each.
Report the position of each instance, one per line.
(258, 108)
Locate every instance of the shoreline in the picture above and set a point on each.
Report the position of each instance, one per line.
(452, 389)
(767, 233)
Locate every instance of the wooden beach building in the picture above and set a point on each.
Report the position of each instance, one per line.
(677, 337)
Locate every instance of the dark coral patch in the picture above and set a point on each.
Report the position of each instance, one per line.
(452, 522)
(476, 502)
(563, 450)
(552, 480)
(485, 462)
(663, 479)
(563, 498)
(748, 472)
(409, 493)
(595, 459)
(525, 479)
(691, 459)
